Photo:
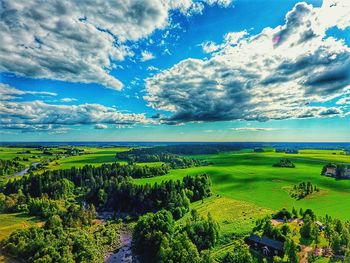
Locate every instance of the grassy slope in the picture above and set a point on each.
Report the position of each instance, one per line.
(233, 216)
(250, 177)
(11, 222)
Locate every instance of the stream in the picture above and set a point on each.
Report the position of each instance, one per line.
(124, 254)
(24, 171)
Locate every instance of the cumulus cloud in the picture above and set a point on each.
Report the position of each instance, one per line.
(70, 41)
(146, 55)
(343, 101)
(277, 74)
(222, 3)
(40, 116)
(100, 126)
(7, 92)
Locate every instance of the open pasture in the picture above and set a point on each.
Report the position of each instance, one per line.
(92, 156)
(250, 177)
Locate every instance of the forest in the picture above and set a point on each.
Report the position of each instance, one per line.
(68, 201)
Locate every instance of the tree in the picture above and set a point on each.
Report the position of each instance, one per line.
(291, 251)
(177, 248)
(316, 234)
(307, 228)
(294, 212)
(149, 232)
(203, 232)
(239, 254)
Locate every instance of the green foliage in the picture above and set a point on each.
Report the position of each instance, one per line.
(157, 154)
(284, 163)
(202, 232)
(239, 254)
(282, 214)
(291, 251)
(265, 227)
(157, 240)
(302, 190)
(10, 167)
(104, 187)
(149, 232)
(178, 248)
(56, 243)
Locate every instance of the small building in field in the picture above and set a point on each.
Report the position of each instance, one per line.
(331, 171)
(266, 246)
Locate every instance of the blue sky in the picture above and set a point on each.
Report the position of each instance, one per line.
(211, 70)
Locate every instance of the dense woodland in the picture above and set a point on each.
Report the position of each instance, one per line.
(9, 167)
(158, 239)
(173, 155)
(68, 199)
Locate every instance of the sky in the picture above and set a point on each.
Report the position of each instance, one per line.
(166, 70)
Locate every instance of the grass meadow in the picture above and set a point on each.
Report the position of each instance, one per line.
(249, 178)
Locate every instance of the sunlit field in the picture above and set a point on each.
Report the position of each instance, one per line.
(250, 177)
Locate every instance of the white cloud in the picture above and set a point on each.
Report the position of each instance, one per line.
(7, 92)
(100, 126)
(230, 39)
(37, 115)
(146, 55)
(68, 99)
(210, 47)
(152, 68)
(222, 3)
(70, 41)
(343, 101)
(276, 74)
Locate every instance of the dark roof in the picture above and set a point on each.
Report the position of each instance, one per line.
(266, 242)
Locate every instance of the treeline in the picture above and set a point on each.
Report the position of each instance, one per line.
(192, 149)
(142, 155)
(302, 190)
(57, 242)
(158, 239)
(173, 155)
(109, 187)
(284, 163)
(10, 167)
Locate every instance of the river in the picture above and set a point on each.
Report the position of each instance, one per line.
(124, 254)
(24, 171)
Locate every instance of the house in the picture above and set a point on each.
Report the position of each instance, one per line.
(266, 246)
(331, 171)
(320, 225)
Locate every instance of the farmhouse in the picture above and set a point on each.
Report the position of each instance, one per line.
(331, 171)
(266, 246)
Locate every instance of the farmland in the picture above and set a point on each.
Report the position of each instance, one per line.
(246, 186)
(250, 177)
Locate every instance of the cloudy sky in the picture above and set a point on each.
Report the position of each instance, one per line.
(175, 70)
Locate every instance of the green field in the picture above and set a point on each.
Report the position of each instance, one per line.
(10, 223)
(93, 156)
(249, 177)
